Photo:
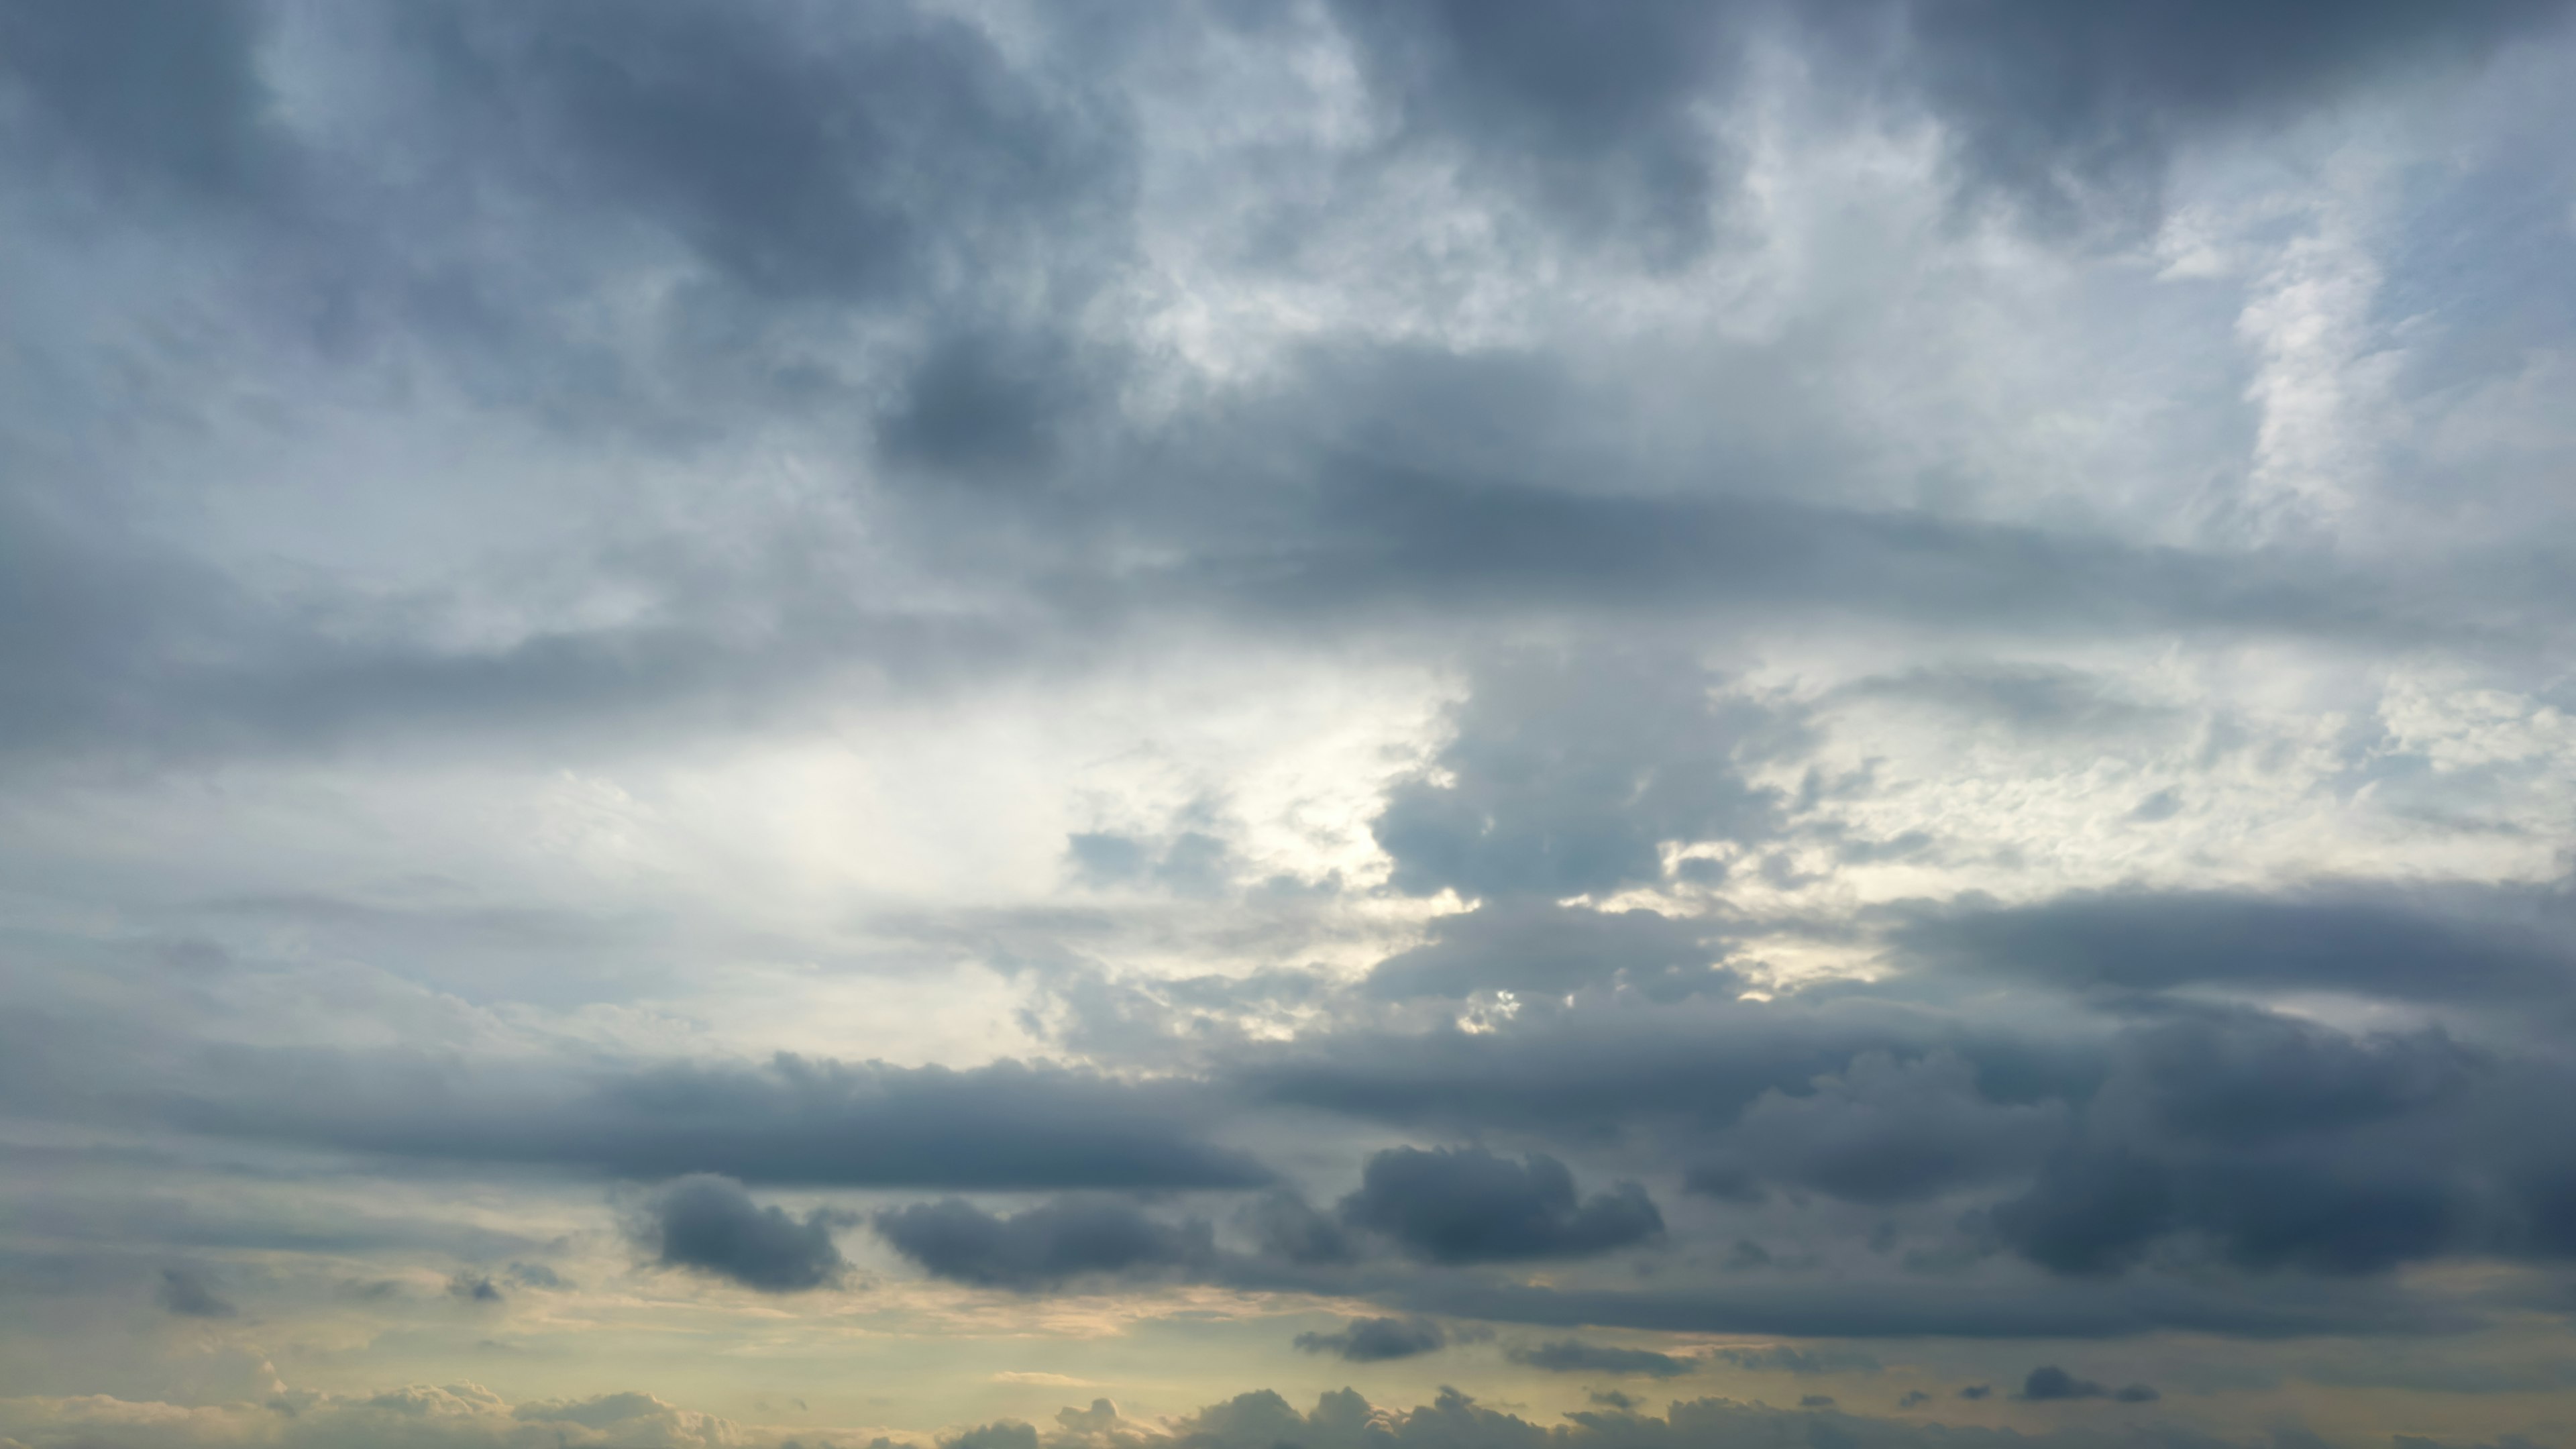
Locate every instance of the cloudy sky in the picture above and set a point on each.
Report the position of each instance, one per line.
(1407, 724)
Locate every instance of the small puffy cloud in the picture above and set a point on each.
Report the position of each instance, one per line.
(711, 1225)
(1466, 1205)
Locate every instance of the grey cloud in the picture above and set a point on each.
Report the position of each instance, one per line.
(1043, 1246)
(1375, 1340)
(2036, 700)
(1595, 1068)
(1542, 951)
(1919, 1307)
(2280, 1144)
(1466, 1205)
(793, 1121)
(2048, 1382)
(1452, 1420)
(2407, 944)
(1574, 1356)
(473, 1288)
(711, 1225)
(2074, 112)
(536, 1275)
(1289, 1228)
(1588, 114)
(185, 1292)
(166, 93)
(1567, 775)
(1882, 1131)
(847, 152)
(1781, 1358)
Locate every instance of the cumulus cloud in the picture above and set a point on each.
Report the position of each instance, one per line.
(709, 1224)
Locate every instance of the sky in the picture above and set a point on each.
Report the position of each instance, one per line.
(1219, 724)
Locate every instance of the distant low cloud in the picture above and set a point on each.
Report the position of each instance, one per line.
(187, 1294)
(473, 1288)
(2048, 1382)
(711, 1225)
(1574, 1356)
(1375, 1340)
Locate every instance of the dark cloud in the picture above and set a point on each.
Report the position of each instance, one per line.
(1374, 1340)
(1913, 1399)
(2049, 1382)
(1289, 1228)
(710, 1224)
(1574, 1356)
(1815, 1401)
(1882, 1131)
(856, 152)
(2074, 112)
(2406, 944)
(1612, 1399)
(793, 1121)
(1043, 1246)
(1977, 1391)
(2280, 1144)
(1589, 115)
(1599, 1068)
(186, 1293)
(1466, 1205)
(160, 93)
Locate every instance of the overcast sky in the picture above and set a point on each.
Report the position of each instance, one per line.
(1407, 724)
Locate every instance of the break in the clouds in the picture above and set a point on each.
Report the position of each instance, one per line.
(835, 723)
